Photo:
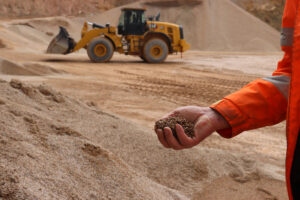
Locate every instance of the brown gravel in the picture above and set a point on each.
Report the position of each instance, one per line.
(172, 121)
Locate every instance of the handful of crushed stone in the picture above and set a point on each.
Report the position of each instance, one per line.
(171, 122)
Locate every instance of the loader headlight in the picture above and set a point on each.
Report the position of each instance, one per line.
(154, 26)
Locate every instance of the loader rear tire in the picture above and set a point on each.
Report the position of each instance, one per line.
(155, 50)
(100, 49)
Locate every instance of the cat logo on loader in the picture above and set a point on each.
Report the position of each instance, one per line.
(150, 39)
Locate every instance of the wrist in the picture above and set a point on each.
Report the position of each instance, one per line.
(220, 122)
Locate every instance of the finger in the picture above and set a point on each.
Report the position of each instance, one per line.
(171, 140)
(183, 138)
(161, 138)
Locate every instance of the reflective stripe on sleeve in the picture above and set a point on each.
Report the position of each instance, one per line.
(286, 37)
(281, 82)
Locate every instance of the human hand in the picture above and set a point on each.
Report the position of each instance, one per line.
(206, 121)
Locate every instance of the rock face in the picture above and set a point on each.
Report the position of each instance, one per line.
(269, 11)
(38, 8)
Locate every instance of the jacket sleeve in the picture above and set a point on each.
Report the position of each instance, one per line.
(262, 102)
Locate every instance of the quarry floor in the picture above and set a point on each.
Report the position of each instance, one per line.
(142, 93)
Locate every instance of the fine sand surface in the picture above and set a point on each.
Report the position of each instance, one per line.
(72, 129)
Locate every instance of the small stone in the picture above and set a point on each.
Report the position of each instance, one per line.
(29, 120)
(91, 104)
(15, 84)
(49, 33)
(45, 90)
(58, 98)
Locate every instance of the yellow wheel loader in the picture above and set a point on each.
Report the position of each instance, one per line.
(150, 39)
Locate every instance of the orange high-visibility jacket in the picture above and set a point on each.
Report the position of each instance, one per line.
(270, 100)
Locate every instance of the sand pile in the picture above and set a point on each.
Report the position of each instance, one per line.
(43, 24)
(222, 26)
(212, 25)
(48, 151)
(26, 69)
(34, 35)
(22, 37)
(56, 147)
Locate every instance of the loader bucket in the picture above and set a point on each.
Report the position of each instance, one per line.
(62, 43)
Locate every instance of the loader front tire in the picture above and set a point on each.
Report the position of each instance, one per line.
(155, 50)
(142, 57)
(100, 49)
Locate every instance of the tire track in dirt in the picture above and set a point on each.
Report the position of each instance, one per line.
(197, 90)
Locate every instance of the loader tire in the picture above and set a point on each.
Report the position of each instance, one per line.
(155, 50)
(100, 49)
(142, 57)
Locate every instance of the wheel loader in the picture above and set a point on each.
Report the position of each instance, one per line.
(149, 39)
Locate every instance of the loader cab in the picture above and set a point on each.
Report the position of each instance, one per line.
(132, 22)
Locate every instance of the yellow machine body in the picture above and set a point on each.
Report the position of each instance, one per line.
(170, 38)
